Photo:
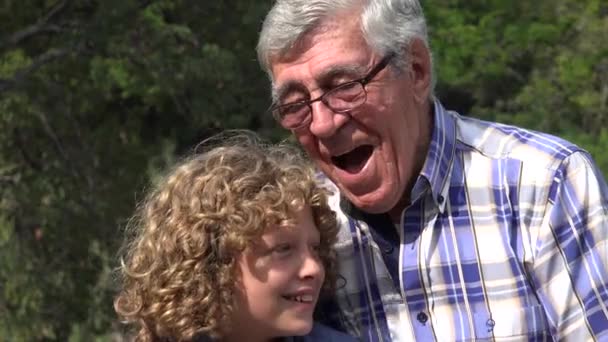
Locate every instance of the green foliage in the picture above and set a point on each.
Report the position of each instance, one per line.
(541, 65)
(94, 98)
(97, 96)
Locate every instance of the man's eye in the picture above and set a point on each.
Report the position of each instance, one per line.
(293, 108)
(347, 90)
(349, 87)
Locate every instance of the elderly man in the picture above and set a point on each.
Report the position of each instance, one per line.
(454, 229)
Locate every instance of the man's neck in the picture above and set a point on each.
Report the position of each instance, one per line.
(395, 213)
(422, 149)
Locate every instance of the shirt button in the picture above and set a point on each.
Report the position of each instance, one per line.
(422, 317)
(440, 199)
(389, 249)
(490, 323)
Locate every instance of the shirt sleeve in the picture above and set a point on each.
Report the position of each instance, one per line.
(570, 266)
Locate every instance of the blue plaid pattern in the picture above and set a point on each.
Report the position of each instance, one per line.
(506, 239)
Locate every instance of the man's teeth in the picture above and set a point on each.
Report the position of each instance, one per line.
(301, 299)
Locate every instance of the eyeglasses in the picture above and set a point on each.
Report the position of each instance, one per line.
(341, 99)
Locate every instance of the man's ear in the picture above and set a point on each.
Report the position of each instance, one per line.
(420, 70)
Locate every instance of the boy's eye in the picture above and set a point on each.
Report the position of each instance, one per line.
(282, 249)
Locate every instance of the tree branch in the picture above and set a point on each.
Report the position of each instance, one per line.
(41, 26)
(7, 180)
(20, 144)
(21, 74)
(50, 132)
(29, 31)
(8, 175)
(69, 164)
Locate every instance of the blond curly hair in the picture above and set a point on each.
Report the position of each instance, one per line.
(178, 270)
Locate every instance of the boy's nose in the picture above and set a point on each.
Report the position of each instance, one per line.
(312, 266)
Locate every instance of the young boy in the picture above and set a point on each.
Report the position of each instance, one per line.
(235, 244)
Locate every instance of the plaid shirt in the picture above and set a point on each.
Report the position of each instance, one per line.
(506, 239)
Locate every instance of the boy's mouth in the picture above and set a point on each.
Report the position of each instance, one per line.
(300, 299)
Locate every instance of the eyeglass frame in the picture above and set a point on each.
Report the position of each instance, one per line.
(276, 109)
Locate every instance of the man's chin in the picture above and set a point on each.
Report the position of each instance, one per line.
(370, 202)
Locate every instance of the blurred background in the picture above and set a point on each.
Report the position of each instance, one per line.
(97, 97)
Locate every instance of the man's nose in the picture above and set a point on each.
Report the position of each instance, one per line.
(325, 122)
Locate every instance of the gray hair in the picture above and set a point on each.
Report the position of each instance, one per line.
(388, 26)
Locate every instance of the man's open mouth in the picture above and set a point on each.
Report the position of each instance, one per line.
(354, 161)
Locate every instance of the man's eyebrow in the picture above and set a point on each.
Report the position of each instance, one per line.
(286, 88)
(323, 79)
(335, 71)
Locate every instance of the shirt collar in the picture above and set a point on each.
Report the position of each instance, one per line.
(437, 166)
